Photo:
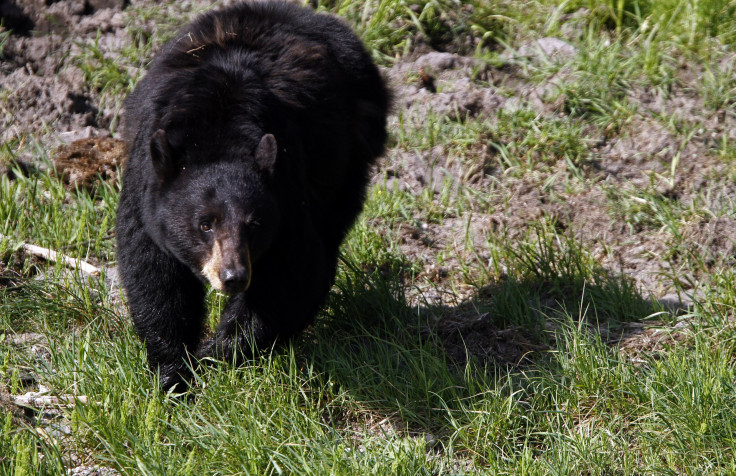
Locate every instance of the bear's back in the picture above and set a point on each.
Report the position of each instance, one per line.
(309, 62)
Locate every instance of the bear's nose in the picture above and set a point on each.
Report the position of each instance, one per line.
(235, 280)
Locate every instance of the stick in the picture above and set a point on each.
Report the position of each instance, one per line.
(54, 256)
(34, 400)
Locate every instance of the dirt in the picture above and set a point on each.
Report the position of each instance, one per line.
(466, 335)
(40, 86)
(84, 162)
(43, 97)
(639, 158)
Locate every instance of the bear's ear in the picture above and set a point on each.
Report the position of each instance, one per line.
(266, 153)
(162, 156)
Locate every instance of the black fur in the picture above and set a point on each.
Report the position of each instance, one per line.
(203, 168)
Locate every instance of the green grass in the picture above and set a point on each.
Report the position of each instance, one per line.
(4, 35)
(392, 28)
(540, 358)
(38, 210)
(366, 387)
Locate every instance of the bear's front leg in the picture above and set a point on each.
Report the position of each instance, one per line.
(166, 303)
(240, 333)
(255, 320)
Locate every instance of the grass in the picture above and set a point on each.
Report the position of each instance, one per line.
(476, 326)
(36, 209)
(392, 28)
(4, 35)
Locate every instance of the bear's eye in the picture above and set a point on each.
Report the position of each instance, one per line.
(205, 226)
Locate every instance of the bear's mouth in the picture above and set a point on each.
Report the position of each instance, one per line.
(228, 269)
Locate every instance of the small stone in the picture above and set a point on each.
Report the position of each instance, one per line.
(549, 48)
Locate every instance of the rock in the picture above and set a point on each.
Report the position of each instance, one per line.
(92, 471)
(102, 4)
(548, 48)
(436, 61)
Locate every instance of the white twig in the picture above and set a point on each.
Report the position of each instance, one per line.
(34, 400)
(55, 256)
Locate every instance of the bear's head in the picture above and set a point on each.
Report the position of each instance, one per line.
(215, 210)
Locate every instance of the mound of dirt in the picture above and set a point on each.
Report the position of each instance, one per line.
(84, 161)
(41, 87)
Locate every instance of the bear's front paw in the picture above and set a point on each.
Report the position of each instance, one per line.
(206, 349)
(175, 380)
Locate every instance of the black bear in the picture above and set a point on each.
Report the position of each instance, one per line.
(251, 138)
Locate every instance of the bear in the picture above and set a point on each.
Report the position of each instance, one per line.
(251, 140)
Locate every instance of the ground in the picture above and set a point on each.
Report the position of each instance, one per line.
(531, 171)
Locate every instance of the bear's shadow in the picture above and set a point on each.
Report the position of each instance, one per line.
(399, 361)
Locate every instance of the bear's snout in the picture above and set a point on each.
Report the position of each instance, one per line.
(228, 268)
(235, 279)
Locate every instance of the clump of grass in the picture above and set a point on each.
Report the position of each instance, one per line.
(101, 73)
(615, 14)
(38, 209)
(547, 272)
(4, 35)
(646, 209)
(693, 24)
(105, 75)
(719, 86)
(596, 90)
(526, 141)
(390, 28)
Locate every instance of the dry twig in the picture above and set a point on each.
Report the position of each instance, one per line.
(34, 400)
(55, 256)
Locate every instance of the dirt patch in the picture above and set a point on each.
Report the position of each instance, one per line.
(84, 162)
(713, 241)
(662, 156)
(472, 336)
(639, 342)
(40, 86)
(446, 84)
(32, 102)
